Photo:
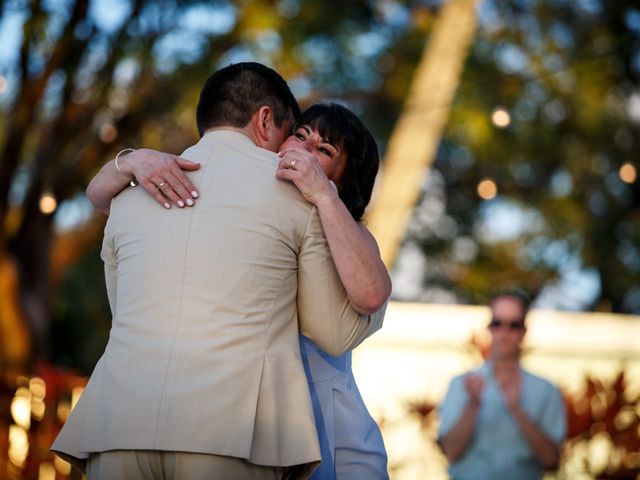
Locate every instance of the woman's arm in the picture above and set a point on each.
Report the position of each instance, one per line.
(356, 256)
(353, 248)
(158, 172)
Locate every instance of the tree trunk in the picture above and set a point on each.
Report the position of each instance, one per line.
(14, 336)
(414, 140)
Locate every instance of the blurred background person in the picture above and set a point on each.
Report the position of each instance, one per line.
(501, 421)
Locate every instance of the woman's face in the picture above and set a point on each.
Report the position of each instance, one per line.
(329, 156)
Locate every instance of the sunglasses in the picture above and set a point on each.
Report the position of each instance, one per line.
(516, 325)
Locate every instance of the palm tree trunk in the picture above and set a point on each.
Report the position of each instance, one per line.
(414, 140)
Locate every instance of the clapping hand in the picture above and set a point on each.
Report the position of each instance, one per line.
(511, 387)
(474, 384)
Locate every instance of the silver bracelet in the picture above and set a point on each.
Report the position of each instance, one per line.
(133, 181)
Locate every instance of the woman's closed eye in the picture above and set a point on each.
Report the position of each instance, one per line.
(328, 152)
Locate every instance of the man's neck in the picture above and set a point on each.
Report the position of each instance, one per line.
(246, 131)
(506, 365)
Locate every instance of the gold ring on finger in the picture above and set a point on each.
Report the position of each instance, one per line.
(293, 164)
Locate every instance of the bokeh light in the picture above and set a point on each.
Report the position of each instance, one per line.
(628, 173)
(18, 445)
(487, 189)
(64, 408)
(108, 133)
(38, 387)
(48, 203)
(501, 118)
(46, 471)
(62, 466)
(21, 408)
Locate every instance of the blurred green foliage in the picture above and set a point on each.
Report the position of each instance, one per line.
(564, 225)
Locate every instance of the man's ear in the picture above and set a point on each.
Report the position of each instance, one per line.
(264, 123)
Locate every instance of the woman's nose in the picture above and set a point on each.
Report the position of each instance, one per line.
(307, 145)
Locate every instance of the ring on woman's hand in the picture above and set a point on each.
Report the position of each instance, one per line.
(160, 185)
(293, 164)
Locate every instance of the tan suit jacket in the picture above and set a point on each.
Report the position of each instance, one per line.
(207, 303)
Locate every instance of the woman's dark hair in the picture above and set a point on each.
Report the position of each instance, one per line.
(234, 93)
(345, 130)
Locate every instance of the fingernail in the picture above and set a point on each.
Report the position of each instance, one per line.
(194, 194)
(166, 205)
(180, 203)
(279, 154)
(189, 202)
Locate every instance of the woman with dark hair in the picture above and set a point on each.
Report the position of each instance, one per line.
(333, 160)
(340, 127)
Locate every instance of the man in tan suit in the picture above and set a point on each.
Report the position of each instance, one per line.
(201, 377)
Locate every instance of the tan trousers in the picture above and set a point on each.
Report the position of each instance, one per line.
(157, 465)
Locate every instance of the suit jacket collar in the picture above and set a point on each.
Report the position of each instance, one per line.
(229, 137)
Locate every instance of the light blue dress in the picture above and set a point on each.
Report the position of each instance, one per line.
(350, 440)
(497, 450)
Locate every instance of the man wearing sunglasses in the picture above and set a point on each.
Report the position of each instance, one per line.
(500, 421)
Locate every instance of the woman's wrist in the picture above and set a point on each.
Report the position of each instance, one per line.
(123, 167)
(328, 199)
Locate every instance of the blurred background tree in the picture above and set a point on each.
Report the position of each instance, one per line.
(81, 80)
(547, 114)
(535, 181)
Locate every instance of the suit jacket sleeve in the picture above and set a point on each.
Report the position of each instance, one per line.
(110, 263)
(324, 313)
